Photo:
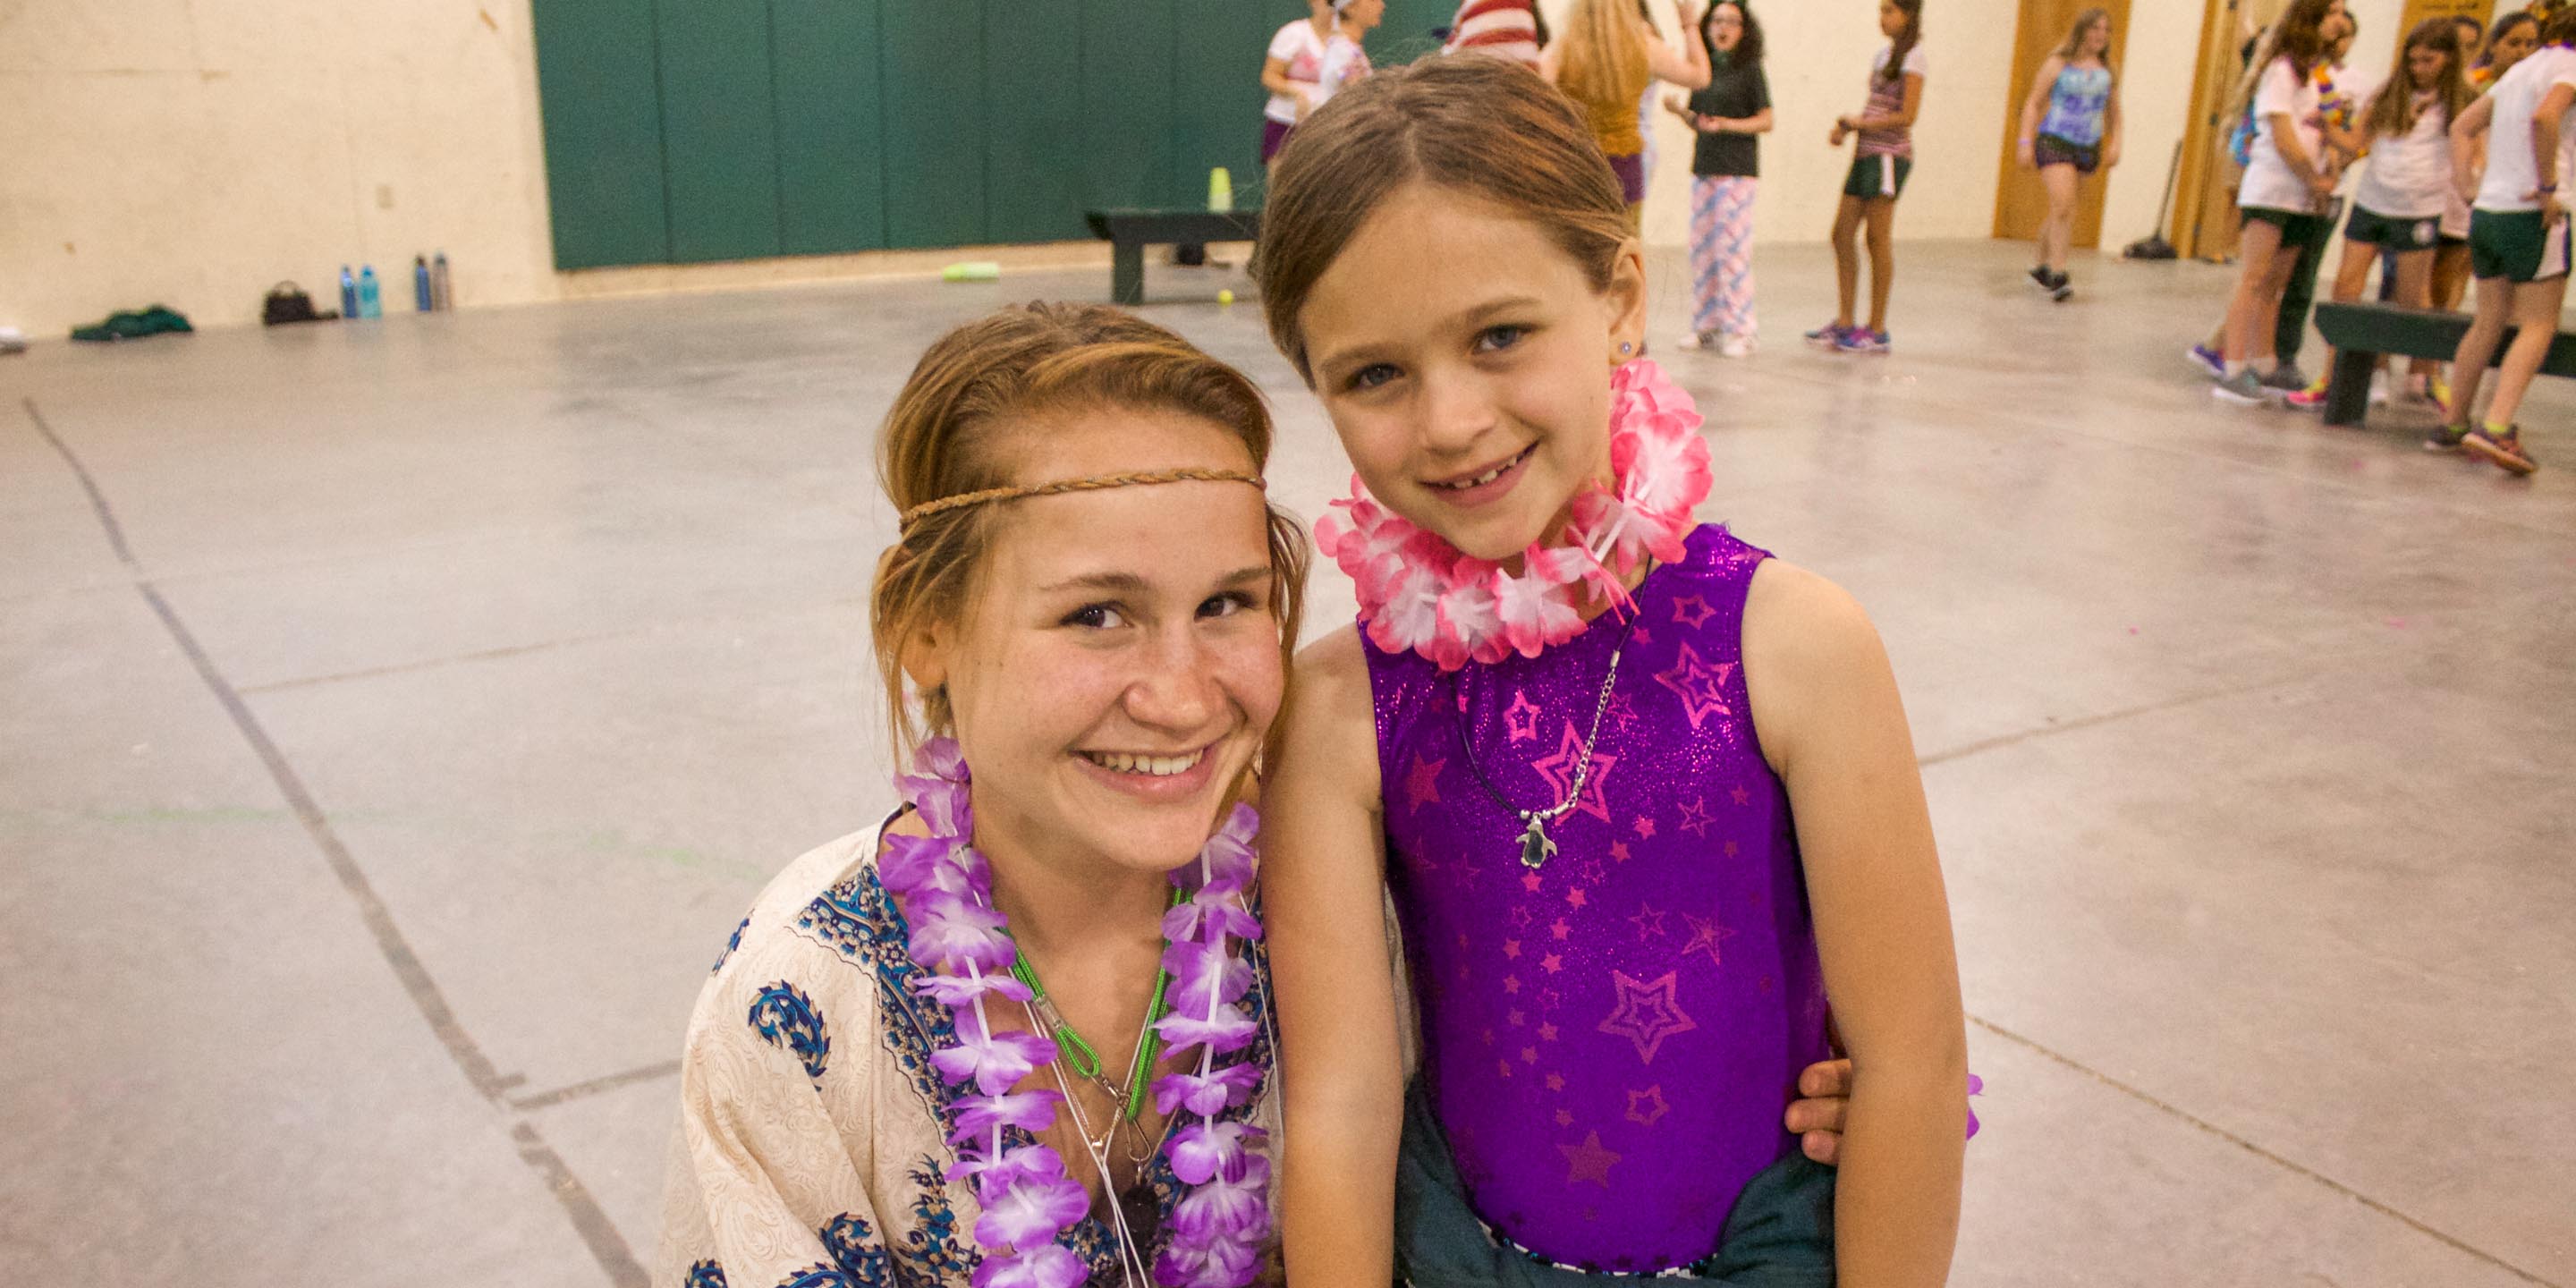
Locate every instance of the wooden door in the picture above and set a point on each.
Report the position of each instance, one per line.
(2021, 204)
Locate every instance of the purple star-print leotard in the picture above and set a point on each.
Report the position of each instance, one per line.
(1608, 1041)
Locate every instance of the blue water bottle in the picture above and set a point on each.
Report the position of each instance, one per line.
(421, 300)
(348, 293)
(371, 304)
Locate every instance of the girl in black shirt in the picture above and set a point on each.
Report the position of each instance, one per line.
(1734, 108)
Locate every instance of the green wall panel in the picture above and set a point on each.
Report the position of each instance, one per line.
(1034, 158)
(1405, 34)
(1216, 79)
(1127, 103)
(603, 131)
(719, 129)
(831, 148)
(932, 63)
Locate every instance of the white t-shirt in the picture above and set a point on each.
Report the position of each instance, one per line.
(2269, 183)
(2409, 177)
(2512, 171)
(1325, 62)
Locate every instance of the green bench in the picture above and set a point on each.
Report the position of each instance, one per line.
(1129, 232)
(2361, 332)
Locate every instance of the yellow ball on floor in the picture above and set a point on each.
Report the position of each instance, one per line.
(1225, 297)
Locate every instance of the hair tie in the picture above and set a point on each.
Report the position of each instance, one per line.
(1095, 483)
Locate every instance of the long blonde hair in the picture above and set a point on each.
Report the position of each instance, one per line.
(2072, 47)
(1604, 54)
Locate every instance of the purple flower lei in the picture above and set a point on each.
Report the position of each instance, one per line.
(945, 889)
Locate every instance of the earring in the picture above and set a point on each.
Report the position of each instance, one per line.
(1624, 348)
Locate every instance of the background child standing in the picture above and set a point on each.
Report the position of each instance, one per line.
(2518, 240)
(1880, 165)
(1730, 117)
(2397, 210)
(2070, 127)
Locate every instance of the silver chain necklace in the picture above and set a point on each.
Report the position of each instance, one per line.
(1536, 847)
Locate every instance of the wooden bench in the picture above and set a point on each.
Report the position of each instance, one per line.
(2361, 332)
(1129, 232)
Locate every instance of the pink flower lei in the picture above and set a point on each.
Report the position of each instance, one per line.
(945, 889)
(1420, 593)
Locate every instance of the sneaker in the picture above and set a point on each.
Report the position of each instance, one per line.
(2207, 361)
(1736, 346)
(2063, 290)
(2245, 389)
(2445, 438)
(2503, 449)
(2310, 398)
(1861, 339)
(1828, 336)
(2286, 378)
(2042, 278)
(2378, 388)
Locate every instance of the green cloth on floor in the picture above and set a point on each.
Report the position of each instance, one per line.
(1780, 1235)
(134, 324)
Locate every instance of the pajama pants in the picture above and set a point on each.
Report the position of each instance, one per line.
(1721, 246)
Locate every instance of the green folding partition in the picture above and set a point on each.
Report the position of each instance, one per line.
(1216, 78)
(1127, 102)
(719, 129)
(1034, 156)
(603, 131)
(932, 64)
(831, 144)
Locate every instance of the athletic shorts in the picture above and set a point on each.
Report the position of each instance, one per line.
(2051, 150)
(2514, 244)
(1274, 136)
(2298, 227)
(1877, 175)
(2370, 227)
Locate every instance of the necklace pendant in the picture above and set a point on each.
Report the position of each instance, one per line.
(1536, 849)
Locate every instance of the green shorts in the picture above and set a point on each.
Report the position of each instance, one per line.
(2298, 227)
(2372, 228)
(1877, 176)
(2515, 244)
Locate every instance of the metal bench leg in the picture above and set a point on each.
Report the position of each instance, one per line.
(1127, 272)
(2348, 387)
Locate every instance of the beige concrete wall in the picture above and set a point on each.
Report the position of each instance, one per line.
(193, 152)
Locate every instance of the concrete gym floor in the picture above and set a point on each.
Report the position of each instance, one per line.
(395, 718)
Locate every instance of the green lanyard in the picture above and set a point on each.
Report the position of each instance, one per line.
(1084, 1058)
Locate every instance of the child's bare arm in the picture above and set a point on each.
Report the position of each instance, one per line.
(1340, 1067)
(1826, 708)
(2466, 156)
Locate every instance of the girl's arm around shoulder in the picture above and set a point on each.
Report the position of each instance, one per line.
(1340, 1064)
(1826, 709)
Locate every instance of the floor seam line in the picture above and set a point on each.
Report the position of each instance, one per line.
(589, 1087)
(589, 1220)
(2001, 741)
(2204, 1125)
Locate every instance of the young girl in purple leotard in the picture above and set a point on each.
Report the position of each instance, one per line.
(1644, 796)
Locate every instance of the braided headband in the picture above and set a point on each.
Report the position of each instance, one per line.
(1096, 483)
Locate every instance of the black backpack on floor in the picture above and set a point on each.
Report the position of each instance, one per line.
(287, 302)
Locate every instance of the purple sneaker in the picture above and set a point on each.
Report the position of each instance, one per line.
(2207, 361)
(1861, 339)
(1827, 336)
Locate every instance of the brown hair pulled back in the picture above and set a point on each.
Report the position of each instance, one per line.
(1469, 122)
(950, 433)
